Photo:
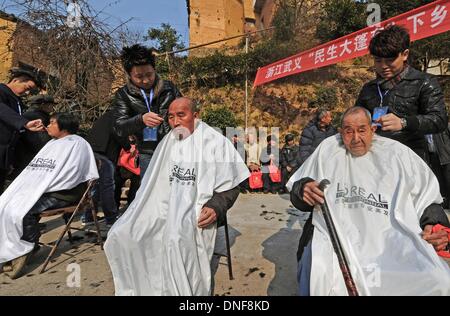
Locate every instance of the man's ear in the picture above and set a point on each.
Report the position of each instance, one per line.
(374, 127)
(339, 130)
(195, 114)
(405, 54)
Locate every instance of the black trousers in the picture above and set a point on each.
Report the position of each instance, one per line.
(3, 174)
(442, 173)
(285, 175)
(30, 222)
(268, 185)
(120, 181)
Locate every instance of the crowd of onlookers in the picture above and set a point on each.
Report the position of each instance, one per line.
(271, 163)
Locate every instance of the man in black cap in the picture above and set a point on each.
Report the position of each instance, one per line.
(288, 160)
(29, 144)
(12, 122)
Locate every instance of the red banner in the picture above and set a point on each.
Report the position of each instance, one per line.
(426, 21)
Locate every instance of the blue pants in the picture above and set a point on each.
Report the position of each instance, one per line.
(104, 189)
(144, 161)
(304, 271)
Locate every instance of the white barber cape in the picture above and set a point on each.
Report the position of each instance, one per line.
(156, 247)
(61, 164)
(376, 202)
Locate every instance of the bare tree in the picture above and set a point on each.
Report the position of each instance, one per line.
(76, 47)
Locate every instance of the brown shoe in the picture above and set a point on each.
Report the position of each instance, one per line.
(17, 266)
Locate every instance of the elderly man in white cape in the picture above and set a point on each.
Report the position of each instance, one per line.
(56, 177)
(164, 242)
(384, 201)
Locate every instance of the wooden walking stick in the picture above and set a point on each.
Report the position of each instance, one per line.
(343, 263)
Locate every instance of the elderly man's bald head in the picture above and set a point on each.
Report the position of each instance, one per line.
(187, 101)
(181, 115)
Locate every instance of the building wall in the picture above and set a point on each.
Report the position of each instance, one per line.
(7, 29)
(234, 20)
(265, 16)
(214, 20)
(206, 21)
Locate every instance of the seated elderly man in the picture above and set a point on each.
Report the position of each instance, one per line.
(163, 244)
(56, 177)
(384, 201)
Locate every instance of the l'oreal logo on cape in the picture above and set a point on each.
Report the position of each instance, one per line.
(185, 176)
(356, 194)
(46, 164)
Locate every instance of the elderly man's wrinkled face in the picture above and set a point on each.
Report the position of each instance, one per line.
(357, 133)
(181, 118)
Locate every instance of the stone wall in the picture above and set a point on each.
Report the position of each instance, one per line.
(7, 29)
(214, 20)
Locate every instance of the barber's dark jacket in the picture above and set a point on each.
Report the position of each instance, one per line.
(129, 106)
(11, 124)
(419, 99)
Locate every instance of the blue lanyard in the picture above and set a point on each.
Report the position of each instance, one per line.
(381, 94)
(149, 104)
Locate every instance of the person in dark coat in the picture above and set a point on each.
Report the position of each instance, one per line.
(141, 106)
(404, 102)
(314, 133)
(106, 145)
(12, 122)
(288, 160)
(239, 146)
(40, 107)
(439, 153)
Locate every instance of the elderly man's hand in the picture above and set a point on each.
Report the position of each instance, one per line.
(439, 240)
(152, 119)
(35, 126)
(390, 123)
(207, 217)
(312, 194)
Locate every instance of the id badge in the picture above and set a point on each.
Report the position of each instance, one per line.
(150, 134)
(378, 112)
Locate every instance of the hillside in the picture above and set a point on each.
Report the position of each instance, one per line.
(290, 103)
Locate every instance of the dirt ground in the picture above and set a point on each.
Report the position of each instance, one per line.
(264, 231)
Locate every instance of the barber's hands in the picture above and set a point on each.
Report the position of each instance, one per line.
(390, 123)
(35, 126)
(207, 217)
(439, 240)
(312, 194)
(152, 119)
